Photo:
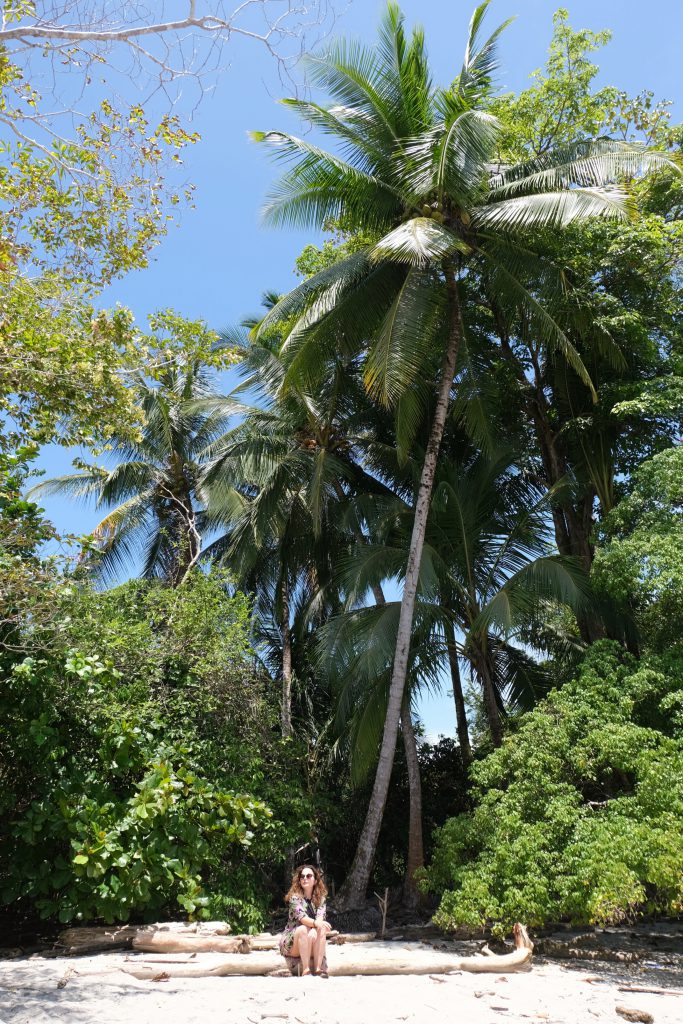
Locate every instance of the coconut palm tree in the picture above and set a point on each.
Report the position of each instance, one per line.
(487, 574)
(279, 489)
(155, 517)
(414, 173)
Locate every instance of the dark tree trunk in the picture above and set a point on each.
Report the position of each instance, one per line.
(493, 716)
(572, 527)
(354, 889)
(411, 895)
(286, 703)
(458, 698)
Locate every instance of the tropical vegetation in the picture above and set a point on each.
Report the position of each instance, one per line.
(451, 462)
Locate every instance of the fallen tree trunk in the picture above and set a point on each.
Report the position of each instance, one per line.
(179, 937)
(374, 958)
(167, 942)
(85, 940)
(492, 963)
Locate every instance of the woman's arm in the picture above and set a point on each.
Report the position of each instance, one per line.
(320, 921)
(297, 909)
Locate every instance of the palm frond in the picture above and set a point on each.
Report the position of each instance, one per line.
(510, 290)
(419, 242)
(556, 577)
(587, 163)
(322, 186)
(480, 61)
(553, 210)
(450, 158)
(406, 338)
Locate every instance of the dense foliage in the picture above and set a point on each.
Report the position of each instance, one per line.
(579, 815)
(452, 460)
(139, 737)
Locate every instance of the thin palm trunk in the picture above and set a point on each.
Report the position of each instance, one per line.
(458, 698)
(354, 889)
(483, 670)
(411, 895)
(415, 858)
(286, 706)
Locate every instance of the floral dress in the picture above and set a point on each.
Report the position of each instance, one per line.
(299, 907)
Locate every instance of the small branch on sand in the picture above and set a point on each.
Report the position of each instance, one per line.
(653, 991)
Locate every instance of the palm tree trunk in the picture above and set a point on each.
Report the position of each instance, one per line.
(411, 895)
(189, 545)
(354, 888)
(458, 698)
(286, 706)
(415, 860)
(490, 702)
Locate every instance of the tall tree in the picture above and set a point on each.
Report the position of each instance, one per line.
(415, 173)
(620, 311)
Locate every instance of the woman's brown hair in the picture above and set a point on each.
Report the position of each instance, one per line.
(319, 889)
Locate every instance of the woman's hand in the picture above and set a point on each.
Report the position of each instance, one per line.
(320, 924)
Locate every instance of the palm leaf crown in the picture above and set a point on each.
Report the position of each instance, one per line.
(413, 168)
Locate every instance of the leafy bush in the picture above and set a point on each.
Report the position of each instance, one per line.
(579, 815)
(128, 741)
(125, 823)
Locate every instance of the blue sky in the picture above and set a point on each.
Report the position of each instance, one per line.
(217, 263)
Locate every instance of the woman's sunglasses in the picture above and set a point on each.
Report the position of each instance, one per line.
(307, 874)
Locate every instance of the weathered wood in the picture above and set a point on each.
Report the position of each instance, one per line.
(653, 991)
(341, 938)
(167, 942)
(180, 937)
(491, 963)
(209, 966)
(85, 940)
(375, 958)
(266, 941)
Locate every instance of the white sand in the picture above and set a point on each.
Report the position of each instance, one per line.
(549, 992)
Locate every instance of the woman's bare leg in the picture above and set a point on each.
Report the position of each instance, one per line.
(302, 947)
(319, 946)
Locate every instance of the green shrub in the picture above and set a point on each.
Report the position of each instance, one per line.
(120, 821)
(125, 745)
(579, 815)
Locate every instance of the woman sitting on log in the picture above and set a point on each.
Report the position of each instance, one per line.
(303, 941)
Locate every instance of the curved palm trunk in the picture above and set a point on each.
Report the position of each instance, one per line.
(415, 859)
(458, 698)
(286, 704)
(354, 888)
(411, 895)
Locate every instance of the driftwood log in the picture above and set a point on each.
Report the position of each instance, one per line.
(185, 952)
(167, 942)
(492, 963)
(90, 940)
(374, 958)
(77, 941)
(211, 937)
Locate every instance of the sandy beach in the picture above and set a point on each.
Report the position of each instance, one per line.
(552, 992)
